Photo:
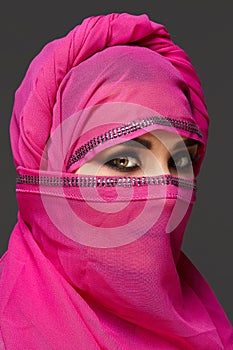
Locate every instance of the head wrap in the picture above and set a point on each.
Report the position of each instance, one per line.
(95, 262)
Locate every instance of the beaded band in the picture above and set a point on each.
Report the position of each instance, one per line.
(95, 181)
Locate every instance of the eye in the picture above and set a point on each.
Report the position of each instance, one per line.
(126, 162)
(182, 161)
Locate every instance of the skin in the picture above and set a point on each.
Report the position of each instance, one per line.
(155, 153)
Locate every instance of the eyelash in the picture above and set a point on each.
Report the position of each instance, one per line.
(172, 162)
(127, 155)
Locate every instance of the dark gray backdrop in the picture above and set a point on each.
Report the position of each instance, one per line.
(204, 30)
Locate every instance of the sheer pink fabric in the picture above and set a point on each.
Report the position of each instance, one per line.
(96, 263)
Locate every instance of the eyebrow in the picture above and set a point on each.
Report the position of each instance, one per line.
(187, 142)
(139, 142)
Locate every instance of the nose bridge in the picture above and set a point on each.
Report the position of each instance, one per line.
(158, 163)
(161, 168)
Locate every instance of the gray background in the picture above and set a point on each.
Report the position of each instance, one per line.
(204, 29)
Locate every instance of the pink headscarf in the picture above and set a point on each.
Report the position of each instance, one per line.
(95, 262)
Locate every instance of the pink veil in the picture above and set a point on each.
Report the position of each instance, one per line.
(96, 262)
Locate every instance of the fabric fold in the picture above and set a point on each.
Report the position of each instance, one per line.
(94, 261)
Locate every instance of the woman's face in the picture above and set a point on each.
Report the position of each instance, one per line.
(155, 153)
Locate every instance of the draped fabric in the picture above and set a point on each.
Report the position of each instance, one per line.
(95, 262)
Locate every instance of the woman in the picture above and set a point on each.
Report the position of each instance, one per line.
(108, 133)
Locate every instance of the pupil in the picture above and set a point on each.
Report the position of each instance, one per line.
(123, 161)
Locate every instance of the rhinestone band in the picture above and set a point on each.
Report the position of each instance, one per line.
(94, 181)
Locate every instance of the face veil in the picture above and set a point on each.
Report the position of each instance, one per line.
(95, 262)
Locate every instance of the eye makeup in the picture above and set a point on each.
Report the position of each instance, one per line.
(126, 160)
(138, 157)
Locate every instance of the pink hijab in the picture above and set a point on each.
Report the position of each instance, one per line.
(95, 262)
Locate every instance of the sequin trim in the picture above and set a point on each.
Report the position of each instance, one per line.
(95, 181)
(128, 129)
